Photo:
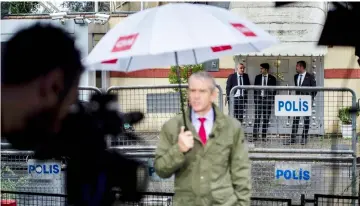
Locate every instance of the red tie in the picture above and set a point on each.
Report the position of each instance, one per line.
(202, 132)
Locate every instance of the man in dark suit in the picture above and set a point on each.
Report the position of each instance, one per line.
(241, 95)
(263, 99)
(302, 79)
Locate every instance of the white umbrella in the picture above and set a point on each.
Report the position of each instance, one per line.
(176, 34)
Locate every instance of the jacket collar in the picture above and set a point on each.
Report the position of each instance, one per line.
(219, 120)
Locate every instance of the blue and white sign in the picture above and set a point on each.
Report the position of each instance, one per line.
(293, 105)
(292, 174)
(44, 169)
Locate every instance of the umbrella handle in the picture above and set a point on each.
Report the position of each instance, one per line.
(183, 112)
(182, 102)
(181, 97)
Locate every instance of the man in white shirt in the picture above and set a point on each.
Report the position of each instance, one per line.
(239, 78)
(302, 79)
(263, 99)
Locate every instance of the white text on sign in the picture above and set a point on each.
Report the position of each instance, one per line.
(293, 105)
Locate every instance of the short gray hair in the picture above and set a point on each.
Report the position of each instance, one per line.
(204, 76)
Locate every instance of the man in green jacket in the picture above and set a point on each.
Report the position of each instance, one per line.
(210, 160)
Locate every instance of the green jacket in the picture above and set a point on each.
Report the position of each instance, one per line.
(215, 174)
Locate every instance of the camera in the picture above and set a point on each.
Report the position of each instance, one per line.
(82, 143)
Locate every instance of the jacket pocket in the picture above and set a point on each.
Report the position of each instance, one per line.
(223, 196)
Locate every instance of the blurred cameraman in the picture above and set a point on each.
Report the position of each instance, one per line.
(41, 68)
(40, 72)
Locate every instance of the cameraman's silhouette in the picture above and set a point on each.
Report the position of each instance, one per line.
(41, 69)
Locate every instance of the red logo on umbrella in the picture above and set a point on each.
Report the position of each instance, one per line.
(221, 48)
(243, 29)
(125, 43)
(112, 61)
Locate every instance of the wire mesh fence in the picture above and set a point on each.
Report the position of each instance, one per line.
(281, 167)
(305, 120)
(158, 103)
(19, 172)
(85, 93)
(32, 199)
(166, 199)
(257, 201)
(290, 179)
(298, 117)
(281, 176)
(325, 200)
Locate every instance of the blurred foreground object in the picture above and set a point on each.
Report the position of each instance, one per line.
(340, 28)
(36, 94)
(173, 36)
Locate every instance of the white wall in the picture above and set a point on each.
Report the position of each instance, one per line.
(299, 22)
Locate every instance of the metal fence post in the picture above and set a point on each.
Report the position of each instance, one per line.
(354, 140)
(231, 102)
(221, 103)
(85, 92)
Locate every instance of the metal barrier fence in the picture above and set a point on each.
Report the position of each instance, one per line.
(328, 161)
(159, 103)
(86, 92)
(316, 121)
(14, 169)
(319, 174)
(300, 119)
(32, 199)
(326, 175)
(15, 174)
(149, 199)
(322, 200)
(166, 199)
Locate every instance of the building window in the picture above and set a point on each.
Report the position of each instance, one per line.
(163, 103)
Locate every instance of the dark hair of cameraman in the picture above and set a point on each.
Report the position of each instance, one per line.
(40, 73)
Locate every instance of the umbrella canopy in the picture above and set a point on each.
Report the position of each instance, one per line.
(176, 34)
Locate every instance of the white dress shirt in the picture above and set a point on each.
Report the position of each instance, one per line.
(302, 79)
(266, 77)
(208, 124)
(237, 94)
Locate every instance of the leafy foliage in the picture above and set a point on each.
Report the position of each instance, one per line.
(86, 6)
(345, 115)
(10, 182)
(185, 73)
(16, 7)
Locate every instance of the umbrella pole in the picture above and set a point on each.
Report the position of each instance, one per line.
(179, 86)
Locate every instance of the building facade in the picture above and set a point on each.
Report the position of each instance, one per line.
(298, 27)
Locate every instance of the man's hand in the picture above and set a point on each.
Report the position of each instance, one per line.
(185, 140)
